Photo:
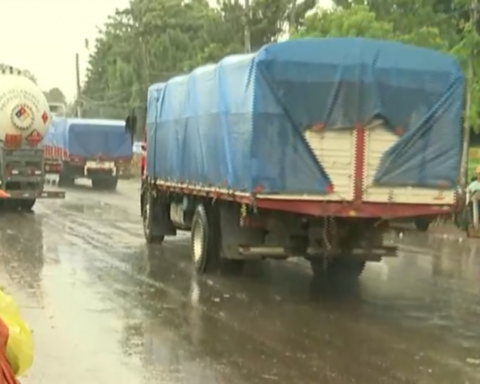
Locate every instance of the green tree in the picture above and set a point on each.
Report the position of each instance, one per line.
(361, 21)
(438, 24)
(154, 40)
(55, 95)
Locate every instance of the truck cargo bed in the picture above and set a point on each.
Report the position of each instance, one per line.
(337, 152)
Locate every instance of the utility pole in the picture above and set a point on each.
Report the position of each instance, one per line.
(468, 98)
(247, 43)
(292, 15)
(79, 87)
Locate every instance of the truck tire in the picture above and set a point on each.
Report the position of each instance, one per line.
(112, 183)
(148, 221)
(422, 224)
(97, 183)
(205, 243)
(27, 204)
(65, 181)
(337, 267)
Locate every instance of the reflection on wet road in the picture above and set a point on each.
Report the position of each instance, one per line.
(106, 308)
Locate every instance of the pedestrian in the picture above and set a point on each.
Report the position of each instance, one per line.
(474, 186)
(7, 376)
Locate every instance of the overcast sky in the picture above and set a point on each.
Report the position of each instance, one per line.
(44, 35)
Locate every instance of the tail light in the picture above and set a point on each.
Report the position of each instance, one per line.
(10, 171)
(53, 168)
(76, 159)
(13, 140)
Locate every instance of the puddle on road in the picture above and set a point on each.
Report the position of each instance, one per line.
(93, 208)
(138, 314)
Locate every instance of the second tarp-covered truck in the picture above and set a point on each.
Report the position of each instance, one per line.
(306, 148)
(99, 150)
(24, 119)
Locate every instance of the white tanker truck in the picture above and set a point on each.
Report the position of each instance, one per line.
(24, 119)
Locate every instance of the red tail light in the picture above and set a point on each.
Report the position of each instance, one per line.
(53, 168)
(76, 159)
(9, 171)
(13, 140)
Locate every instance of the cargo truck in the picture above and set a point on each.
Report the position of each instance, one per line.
(306, 148)
(24, 120)
(99, 150)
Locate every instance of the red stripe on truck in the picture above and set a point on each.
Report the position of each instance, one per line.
(359, 169)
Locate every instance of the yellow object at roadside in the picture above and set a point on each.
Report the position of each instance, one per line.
(20, 340)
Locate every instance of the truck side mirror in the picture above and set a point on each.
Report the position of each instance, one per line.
(130, 125)
(127, 124)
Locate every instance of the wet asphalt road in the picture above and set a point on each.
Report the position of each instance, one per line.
(106, 309)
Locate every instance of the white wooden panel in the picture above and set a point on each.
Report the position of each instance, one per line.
(335, 152)
(377, 142)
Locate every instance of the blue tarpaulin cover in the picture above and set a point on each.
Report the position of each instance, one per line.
(240, 123)
(89, 137)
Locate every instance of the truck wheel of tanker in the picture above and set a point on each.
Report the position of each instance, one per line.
(8, 205)
(148, 221)
(337, 267)
(27, 204)
(422, 224)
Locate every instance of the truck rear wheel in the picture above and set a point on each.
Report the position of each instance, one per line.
(422, 224)
(337, 267)
(97, 183)
(65, 181)
(27, 204)
(148, 212)
(112, 184)
(206, 243)
(107, 184)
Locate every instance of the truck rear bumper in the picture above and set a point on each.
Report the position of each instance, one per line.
(351, 209)
(373, 254)
(32, 195)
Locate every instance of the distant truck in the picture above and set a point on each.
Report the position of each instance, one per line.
(306, 148)
(99, 150)
(24, 120)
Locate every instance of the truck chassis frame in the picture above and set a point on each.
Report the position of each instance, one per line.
(227, 231)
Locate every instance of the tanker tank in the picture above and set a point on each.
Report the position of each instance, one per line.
(23, 107)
